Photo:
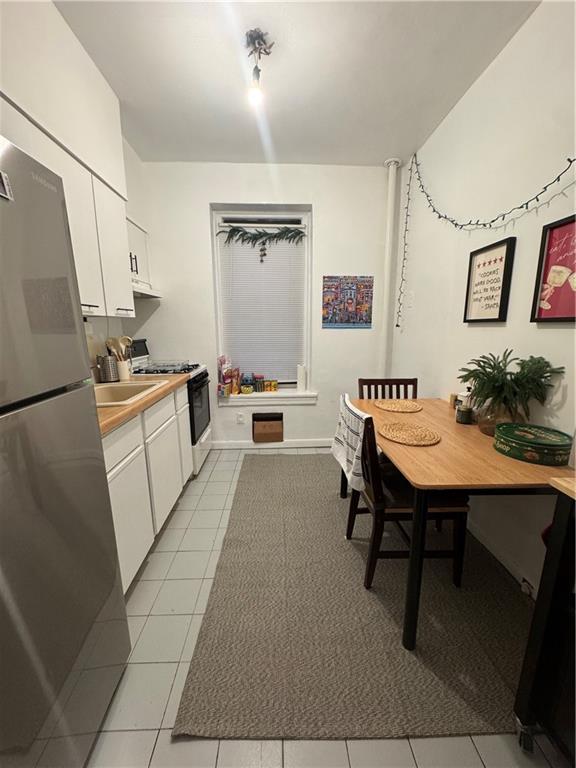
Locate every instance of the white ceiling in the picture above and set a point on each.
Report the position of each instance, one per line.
(347, 83)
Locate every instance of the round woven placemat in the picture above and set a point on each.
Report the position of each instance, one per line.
(399, 406)
(409, 434)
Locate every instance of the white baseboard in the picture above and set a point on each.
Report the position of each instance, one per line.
(320, 442)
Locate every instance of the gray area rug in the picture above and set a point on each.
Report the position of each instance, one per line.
(293, 647)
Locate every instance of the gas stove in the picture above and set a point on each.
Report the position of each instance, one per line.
(142, 362)
(172, 366)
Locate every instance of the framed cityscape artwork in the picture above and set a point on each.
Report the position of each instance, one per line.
(489, 276)
(347, 301)
(555, 290)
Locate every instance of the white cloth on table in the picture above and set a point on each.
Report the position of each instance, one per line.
(347, 443)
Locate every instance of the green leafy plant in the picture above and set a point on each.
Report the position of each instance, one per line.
(262, 237)
(496, 387)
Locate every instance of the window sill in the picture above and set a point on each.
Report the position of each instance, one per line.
(269, 398)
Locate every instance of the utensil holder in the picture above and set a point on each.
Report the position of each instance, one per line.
(123, 370)
(108, 366)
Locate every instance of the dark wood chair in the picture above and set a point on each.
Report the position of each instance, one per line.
(381, 389)
(390, 498)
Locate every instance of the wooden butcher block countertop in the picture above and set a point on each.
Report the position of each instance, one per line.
(110, 417)
(566, 485)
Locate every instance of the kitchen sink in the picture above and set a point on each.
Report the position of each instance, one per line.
(123, 393)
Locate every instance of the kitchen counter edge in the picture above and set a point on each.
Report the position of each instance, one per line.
(112, 417)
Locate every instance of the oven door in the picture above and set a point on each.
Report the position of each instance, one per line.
(199, 405)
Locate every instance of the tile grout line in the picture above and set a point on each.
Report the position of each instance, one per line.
(347, 753)
(412, 752)
(154, 748)
(477, 750)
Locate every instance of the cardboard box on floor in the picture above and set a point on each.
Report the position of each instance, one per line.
(267, 427)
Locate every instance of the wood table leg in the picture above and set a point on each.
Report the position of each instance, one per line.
(416, 562)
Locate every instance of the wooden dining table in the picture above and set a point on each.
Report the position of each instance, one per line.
(464, 460)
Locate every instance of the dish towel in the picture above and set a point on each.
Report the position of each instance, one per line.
(347, 443)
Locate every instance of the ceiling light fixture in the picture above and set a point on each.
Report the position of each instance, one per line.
(258, 46)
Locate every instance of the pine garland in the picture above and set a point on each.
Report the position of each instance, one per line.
(261, 237)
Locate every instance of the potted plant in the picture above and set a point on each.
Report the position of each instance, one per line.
(500, 394)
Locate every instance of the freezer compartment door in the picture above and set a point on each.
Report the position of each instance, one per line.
(64, 637)
(42, 342)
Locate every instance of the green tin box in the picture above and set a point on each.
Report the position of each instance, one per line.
(537, 445)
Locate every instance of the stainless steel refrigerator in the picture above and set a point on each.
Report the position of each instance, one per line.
(63, 630)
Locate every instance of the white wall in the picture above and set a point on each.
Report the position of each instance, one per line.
(47, 73)
(348, 206)
(509, 134)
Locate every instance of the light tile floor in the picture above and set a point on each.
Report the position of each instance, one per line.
(165, 611)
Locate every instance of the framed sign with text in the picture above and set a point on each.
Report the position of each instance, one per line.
(555, 290)
(489, 276)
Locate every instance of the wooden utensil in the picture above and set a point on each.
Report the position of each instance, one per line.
(113, 345)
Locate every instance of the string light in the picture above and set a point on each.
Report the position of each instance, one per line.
(500, 217)
(471, 225)
(402, 283)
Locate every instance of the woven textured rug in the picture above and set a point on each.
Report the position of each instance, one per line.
(292, 646)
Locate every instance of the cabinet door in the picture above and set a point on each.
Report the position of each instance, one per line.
(164, 473)
(113, 242)
(138, 245)
(79, 202)
(185, 443)
(201, 450)
(132, 513)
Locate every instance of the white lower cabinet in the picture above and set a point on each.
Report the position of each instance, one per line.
(148, 460)
(184, 435)
(201, 450)
(128, 486)
(164, 471)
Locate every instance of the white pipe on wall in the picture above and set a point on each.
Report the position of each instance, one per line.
(386, 314)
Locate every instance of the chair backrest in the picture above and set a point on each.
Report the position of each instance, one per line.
(348, 441)
(371, 470)
(382, 389)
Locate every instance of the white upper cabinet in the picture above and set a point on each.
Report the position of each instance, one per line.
(45, 71)
(113, 244)
(138, 256)
(79, 202)
(137, 187)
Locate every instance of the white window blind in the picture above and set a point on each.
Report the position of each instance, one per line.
(263, 307)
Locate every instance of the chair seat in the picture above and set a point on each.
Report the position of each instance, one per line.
(400, 494)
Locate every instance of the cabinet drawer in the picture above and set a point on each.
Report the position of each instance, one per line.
(122, 441)
(160, 412)
(181, 397)
(132, 513)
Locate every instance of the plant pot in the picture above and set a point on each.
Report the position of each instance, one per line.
(488, 418)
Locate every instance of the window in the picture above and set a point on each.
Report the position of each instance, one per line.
(262, 299)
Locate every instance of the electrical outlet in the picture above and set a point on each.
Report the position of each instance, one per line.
(240, 418)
